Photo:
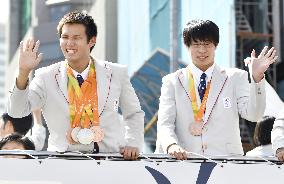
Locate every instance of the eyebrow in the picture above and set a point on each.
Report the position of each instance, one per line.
(63, 34)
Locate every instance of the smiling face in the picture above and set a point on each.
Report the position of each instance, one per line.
(75, 45)
(201, 37)
(202, 54)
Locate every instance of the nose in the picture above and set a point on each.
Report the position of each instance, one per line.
(70, 42)
(201, 48)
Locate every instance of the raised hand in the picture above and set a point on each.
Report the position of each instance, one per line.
(29, 59)
(261, 63)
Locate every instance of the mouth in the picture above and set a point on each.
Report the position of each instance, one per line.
(70, 51)
(202, 57)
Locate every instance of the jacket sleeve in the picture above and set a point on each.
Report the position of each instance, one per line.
(38, 135)
(250, 98)
(167, 115)
(133, 116)
(22, 102)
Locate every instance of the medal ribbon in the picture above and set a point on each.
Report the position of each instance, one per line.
(83, 101)
(198, 113)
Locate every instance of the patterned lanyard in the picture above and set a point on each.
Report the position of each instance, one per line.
(83, 103)
(198, 113)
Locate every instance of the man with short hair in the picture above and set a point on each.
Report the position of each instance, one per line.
(200, 105)
(24, 126)
(80, 96)
(9, 125)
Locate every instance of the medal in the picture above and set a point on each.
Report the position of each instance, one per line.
(98, 133)
(74, 133)
(85, 136)
(195, 129)
(83, 107)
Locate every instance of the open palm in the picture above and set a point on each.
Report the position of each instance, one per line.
(261, 63)
(29, 58)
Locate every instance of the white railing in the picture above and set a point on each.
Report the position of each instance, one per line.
(77, 167)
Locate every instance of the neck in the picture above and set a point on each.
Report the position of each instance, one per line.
(205, 67)
(79, 66)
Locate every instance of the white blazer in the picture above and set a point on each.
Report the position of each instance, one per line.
(230, 95)
(277, 133)
(48, 91)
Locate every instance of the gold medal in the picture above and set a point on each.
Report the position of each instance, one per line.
(98, 133)
(195, 128)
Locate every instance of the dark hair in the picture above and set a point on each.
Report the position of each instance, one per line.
(202, 30)
(17, 138)
(262, 132)
(21, 125)
(79, 18)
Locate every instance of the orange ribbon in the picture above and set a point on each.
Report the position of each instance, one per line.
(198, 113)
(83, 102)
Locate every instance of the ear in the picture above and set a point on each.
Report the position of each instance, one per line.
(9, 128)
(92, 41)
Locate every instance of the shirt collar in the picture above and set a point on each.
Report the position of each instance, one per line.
(85, 73)
(196, 72)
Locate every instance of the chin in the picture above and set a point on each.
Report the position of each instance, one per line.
(70, 58)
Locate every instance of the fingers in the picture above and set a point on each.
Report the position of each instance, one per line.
(263, 52)
(129, 153)
(280, 156)
(29, 45)
(21, 47)
(178, 152)
(268, 54)
(180, 155)
(36, 46)
(247, 61)
(272, 58)
(121, 150)
(39, 57)
(252, 54)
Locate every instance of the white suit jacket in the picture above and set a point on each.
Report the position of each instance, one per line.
(230, 95)
(48, 91)
(277, 133)
(38, 135)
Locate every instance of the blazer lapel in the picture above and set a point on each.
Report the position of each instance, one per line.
(61, 80)
(219, 78)
(182, 76)
(103, 76)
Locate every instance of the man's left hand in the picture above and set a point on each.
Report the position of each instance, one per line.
(129, 153)
(280, 154)
(261, 63)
